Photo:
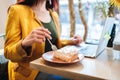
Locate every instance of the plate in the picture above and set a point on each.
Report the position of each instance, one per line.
(49, 57)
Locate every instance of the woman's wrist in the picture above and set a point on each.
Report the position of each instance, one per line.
(26, 48)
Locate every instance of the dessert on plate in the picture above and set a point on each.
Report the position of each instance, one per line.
(66, 54)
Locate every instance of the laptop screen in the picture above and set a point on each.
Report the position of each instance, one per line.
(105, 36)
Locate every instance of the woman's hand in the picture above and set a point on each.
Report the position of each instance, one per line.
(36, 36)
(77, 40)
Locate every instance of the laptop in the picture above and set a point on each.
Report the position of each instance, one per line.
(92, 50)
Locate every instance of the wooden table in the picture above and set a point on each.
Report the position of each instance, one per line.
(103, 67)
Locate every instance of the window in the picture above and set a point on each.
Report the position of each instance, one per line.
(94, 18)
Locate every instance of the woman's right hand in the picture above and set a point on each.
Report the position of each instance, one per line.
(37, 35)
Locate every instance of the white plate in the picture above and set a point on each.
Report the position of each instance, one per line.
(49, 57)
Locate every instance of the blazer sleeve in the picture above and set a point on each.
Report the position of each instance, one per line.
(12, 48)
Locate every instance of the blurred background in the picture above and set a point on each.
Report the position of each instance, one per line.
(83, 17)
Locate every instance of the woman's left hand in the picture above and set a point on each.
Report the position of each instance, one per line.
(77, 40)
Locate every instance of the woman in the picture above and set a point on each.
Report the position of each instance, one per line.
(29, 23)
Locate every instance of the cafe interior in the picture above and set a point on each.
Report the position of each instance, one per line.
(97, 22)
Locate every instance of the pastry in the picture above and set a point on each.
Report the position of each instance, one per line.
(67, 55)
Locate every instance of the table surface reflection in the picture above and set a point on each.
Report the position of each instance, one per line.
(103, 67)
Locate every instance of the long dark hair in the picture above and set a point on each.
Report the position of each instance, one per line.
(49, 3)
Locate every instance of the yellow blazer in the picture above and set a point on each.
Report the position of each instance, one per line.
(21, 21)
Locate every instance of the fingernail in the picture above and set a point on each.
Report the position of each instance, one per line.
(50, 37)
(49, 32)
(44, 39)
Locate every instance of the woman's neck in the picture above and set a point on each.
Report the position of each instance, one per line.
(41, 12)
(40, 7)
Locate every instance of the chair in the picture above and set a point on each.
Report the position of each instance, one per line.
(3, 63)
(2, 58)
(2, 35)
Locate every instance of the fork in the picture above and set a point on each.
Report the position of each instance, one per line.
(52, 45)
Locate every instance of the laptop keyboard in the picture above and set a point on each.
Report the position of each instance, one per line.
(89, 50)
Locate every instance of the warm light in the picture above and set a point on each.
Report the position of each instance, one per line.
(115, 3)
